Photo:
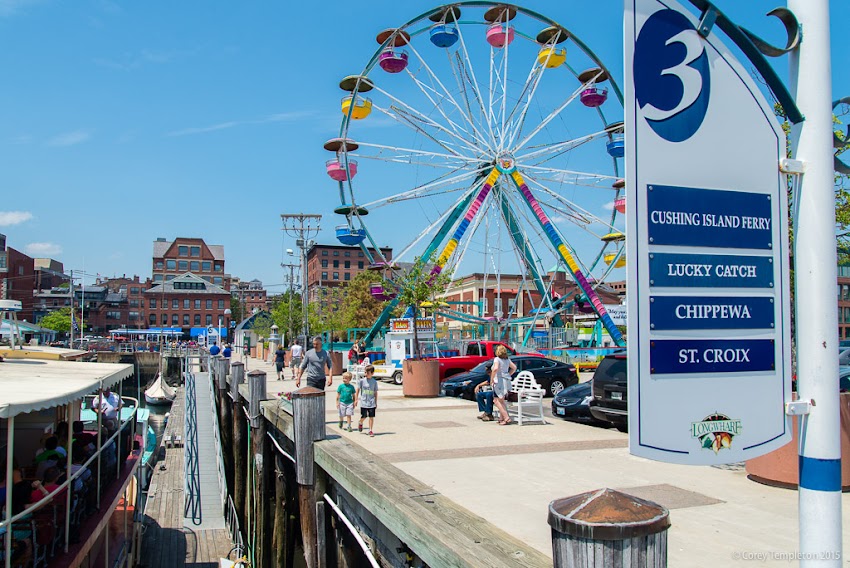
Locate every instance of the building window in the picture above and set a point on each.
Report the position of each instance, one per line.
(221, 304)
(336, 275)
(157, 277)
(218, 281)
(197, 319)
(347, 276)
(360, 265)
(134, 290)
(511, 305)
(336, 253)
(324, 264)
(171, 264)
(209, 319)
(360, 254)
(485, 306)
(185, 319)
(182, 266)
(209, 304)
(324, 275)
(206, 266)
(164, 319)
(195, 266)
(217, 267)
(169, 277)
(336, 264)
(197, 304)
(347, 253)
(183, 250)
(175, 304)
(159, 264)
(152, 319)
(134, 303)
(152, 303)
(196, 251)
(186, 304)
(324, 253)
(113, 315)
(175, 319)
(133, 316)
(348, 264)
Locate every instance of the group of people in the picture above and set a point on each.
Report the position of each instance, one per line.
(34, 483)
(296, 356)
(226, 352)
(494, 392)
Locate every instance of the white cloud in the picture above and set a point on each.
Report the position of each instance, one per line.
(278, 117)
(9, 218)
(69, 138)
(43, 249)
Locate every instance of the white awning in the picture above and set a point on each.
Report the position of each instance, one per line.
(27, 385)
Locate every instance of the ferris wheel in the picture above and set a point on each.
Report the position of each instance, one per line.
(478, 123)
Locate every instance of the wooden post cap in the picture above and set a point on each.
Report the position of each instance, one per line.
(254, 373)
(307, 392)
(237, 364)
(607, 514)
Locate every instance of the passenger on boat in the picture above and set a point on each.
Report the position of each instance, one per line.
(50, 456)
(77, 460)
(108, 405)
(88, 442)
(43, 488)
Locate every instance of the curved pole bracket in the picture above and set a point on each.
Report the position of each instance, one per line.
(841, 145)
(756, 48)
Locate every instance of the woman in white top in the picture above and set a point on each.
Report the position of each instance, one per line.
(500, 380)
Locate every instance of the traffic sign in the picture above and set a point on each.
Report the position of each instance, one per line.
(707, 237)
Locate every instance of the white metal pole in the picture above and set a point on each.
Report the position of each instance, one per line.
(10, 483)
(816, 275)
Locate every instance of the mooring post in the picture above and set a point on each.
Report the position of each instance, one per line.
(218, 367)
(604, 528)
(280, 511)
(308, 413)
(240, 444)
(261, 463)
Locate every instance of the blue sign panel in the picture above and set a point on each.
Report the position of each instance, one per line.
(673, 356)
(690, 312)
(687, 216)
(680, 270)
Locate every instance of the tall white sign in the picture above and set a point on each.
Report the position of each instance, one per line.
(709, 338)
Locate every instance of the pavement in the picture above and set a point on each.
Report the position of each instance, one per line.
(509, 475)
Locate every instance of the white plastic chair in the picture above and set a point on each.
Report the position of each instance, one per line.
(529, 403)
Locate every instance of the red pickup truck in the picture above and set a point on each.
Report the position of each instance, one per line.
(475, 352)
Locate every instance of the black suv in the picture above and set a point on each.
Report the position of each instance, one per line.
(610, 391)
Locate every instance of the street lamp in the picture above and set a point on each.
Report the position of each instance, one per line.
(227, 312)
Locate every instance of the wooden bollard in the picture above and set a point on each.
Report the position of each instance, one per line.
(220, 377)
(261, 463)
(608, 529)
(240, 443)
(308, 415)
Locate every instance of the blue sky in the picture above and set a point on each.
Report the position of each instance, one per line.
(123, 122)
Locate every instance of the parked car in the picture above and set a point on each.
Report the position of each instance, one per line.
(844, 379)
(573, 403)
(610, 391)
(553, 376)
(474, 353)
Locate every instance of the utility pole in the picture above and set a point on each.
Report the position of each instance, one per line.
(302, 227)
(291, 281)
(815, 277)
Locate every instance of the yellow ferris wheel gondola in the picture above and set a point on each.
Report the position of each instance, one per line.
(614, 237)
(609, 258)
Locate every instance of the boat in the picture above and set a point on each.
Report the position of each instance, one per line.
(159, 393)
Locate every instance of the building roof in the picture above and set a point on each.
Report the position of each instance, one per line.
(160, 247)
(115, 297)
(248, 323)
(29, 385)
(167, 287)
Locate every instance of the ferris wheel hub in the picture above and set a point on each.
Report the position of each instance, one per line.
(506, 163)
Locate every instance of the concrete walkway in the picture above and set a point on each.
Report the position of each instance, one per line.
(509, 474)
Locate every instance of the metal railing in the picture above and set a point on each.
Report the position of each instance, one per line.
(192, 482)
(219, 455)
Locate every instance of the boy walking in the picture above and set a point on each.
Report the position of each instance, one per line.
(345, 400)
(367, 395)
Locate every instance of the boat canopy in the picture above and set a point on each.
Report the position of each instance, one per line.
(57, 383)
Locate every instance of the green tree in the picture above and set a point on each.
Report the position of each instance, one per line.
(418, 285)
(236, 310)
(262, 325)
(288, 313)
(60, 320)
(362, 308)
(332, 315)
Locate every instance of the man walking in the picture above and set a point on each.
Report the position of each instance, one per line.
(317, 362)
(296, 352)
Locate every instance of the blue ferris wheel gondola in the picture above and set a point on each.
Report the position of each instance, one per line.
(443, 35)
(349, 236)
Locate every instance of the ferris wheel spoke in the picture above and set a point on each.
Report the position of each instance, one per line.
(404, 119)
(422, 190)
(576, 173)
(445, 92)
(558, 148)
(475, 136)
(554, 113)
(577, 210)
(470, 74)
(413, 152)
(411, 161)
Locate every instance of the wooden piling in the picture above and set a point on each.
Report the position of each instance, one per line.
(308, 414)
(240, 445)
(261, 454)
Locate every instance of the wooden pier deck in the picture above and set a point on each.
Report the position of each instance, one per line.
(166, 541)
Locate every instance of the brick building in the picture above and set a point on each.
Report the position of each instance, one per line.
(187, 301)
(843, 302)
(17, 279)
(101, 309)
(251, 296)
(134, 290)
(334, 265)
(174, 258)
